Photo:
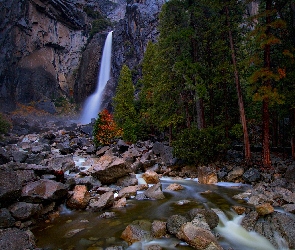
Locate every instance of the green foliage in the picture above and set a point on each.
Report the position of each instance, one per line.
(92, 13)
(5, 125)
(200, 146)
(124, 106)
(236, 132)
(99, 25)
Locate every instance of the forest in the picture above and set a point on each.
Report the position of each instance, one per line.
(218, 76)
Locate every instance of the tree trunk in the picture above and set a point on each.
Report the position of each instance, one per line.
(265, 103)
(200, 113)
(292, 116)
(239, 93)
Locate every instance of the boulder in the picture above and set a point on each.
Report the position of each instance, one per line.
(207, 175)
(23, 210)
(80, 198)
(105, 200)
(129, 180)
(6, 220)
(155, 192)
(61, 162)
(151, 177)
(197, 237)
(10, 186)
(109, 169)
(16, 239)
(158, 229)
(252, 175)
(210, 216)
(264, 209)
(127, 192)
(120, 203)
(41, 190)
(235, 173)
(139, 230)
(165, 152)
(174, 187)
(175, 222)
(290, 208)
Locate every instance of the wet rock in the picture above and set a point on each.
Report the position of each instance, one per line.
(239, 209)
(128, 192)
(155, 192)
(264, 209)
(158, 229)
(109, 168)
(210, 216)
(6, 220)
(207, 175)
(251, 175)
(290, 208)
(10, 187)
(175, 222)
(16, 239)
(23, 211)
(62, 163)
(235, 173)
(137, 231)
(105, 200)
(120, 203)
(80, 198)
(107, 215)
(250, 220)
(129, 180)
(197, 237)
(151, 177)
(44, 190)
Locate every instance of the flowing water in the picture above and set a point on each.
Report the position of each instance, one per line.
(87, 230)
(92, 105)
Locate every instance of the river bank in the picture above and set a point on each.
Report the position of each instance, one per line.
(49, 163)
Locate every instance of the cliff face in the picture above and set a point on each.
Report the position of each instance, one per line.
(41, 46)
(46, 51)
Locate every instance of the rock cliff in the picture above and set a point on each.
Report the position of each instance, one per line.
(41, 44)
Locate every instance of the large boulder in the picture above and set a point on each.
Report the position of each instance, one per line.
(105, 200)
(207, 175)
(139, 230)
(210, 216)
(10, 186)
(6, 220)
(198, 237)
(155, 192)
(80, 198)
(24, 210)
(43, 190)
(109, 169)
(16, 239)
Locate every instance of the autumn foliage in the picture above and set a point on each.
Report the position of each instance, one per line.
(105, 129)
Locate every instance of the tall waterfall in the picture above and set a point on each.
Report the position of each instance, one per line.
(92, 105)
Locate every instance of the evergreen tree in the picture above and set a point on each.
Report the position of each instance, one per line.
(124, 108)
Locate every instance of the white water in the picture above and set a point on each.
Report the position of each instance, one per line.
(92, 105)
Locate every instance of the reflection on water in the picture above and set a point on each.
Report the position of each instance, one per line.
(86, 230)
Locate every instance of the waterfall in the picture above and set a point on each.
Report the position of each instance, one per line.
(92, 105)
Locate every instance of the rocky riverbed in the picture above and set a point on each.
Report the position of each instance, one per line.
(49, 162)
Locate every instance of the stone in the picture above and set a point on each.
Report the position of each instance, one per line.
(41, 190)
(264, 209)
(210, 216)
(151, 177)
(105, 200)
(239, 209)
(19, 156)
(129, 180)
(61, 162)
(6, 220)
(197, 237)
(251, 175)
(24, 211)
(155, 192)
(207, 175)
(80, 198)
(235, 173)
(128, 192)
(16, 239)
(158, 229)
(120, 203)
(290, 208)
(165, 152)
(137, 231)
(110, 168)
(174, 187)
(175, 222)
(10, 186)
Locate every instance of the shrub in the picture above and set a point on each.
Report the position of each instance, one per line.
(4, 125)
(200, 146)
(105, 129)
